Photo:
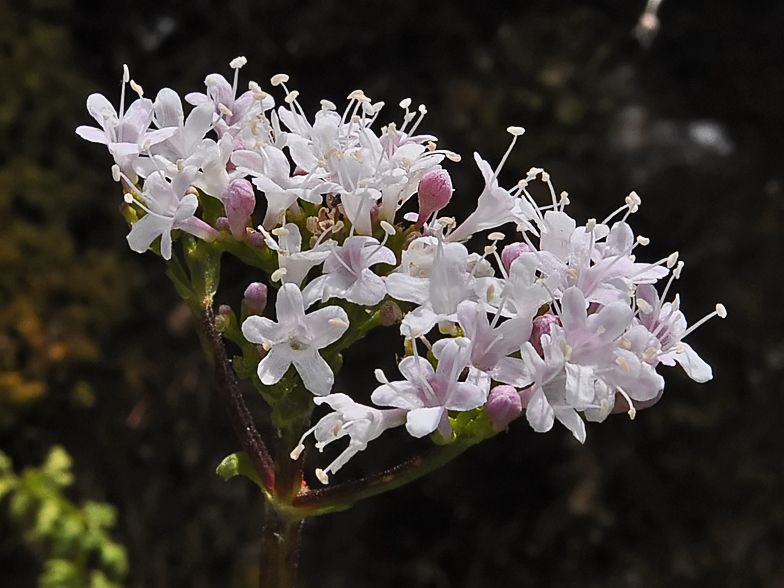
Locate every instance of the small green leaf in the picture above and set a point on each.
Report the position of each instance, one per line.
(238, 464)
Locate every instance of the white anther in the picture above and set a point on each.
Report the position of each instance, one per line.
(490, 292)
(297, 451)
(378, 106)
(590, 225)
(225, 109)
(496, 236)
(238, 62)
(116, 176)
(563, 198)
(515, 131)
(604, 408)
(447, 221)
(322, 476)
(126, 74)
(624, 365)
(358, 156)
(679, 348)
(327, 105)
(721, 310)
(367, 108)
(279, 79)
(355, 119)
(192, 190)
(267, 345)
(644, 306)
(625, 343)
(642, 240)
(678, 269)
(422, 109)
(633, 201)
(278, 274)
(649, 354)
(381, 377)
(572, 273)
(359, 96)
(431, 146)
(388, 229)
(281, 232)
(128, 198)
(545, 176)
(452, 156)
(601, 330)
(490, 249)
(291, 97)
(672, 259)
(336, 322)
(254, 87)
(137, 88)
(405, 103)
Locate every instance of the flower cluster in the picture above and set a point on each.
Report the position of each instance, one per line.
(563, 323)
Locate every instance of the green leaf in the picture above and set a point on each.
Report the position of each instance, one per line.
(59, 573)
(238, 464)
(57, 466)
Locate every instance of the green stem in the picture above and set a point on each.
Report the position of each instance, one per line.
(280, 542)
(343, 496)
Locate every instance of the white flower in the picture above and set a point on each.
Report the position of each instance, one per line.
(293, 263)
(427, 394)
(296, 339)
(361, 423)
(347, 273)
(495, 207)
(168, 207)
(437, 295)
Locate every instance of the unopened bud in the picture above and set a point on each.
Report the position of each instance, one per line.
(512, 252)
(541, 327)
(255, 297)
(435, 192)
(222, 223)
(223, 318)
(256, 240)
(503, 406)
(239, 199)
(390, 314)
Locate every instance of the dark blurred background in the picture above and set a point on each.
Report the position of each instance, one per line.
(97, 352)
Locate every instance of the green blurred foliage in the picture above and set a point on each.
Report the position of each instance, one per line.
(73, 542)
(59, 293)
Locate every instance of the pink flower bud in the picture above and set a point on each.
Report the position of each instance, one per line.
(222, 223)
(503, 406)
(256, 240)
(435, 192)
(256, 297)
(239, 199)
(542, 327)
(512, 252)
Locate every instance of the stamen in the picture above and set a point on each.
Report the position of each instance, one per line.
(388, 229)
(297, 451)
(278, 274)
(279, 79)
(137, 88)
(116, 173)
(336, 322)
(322, 476)
(291, 96)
